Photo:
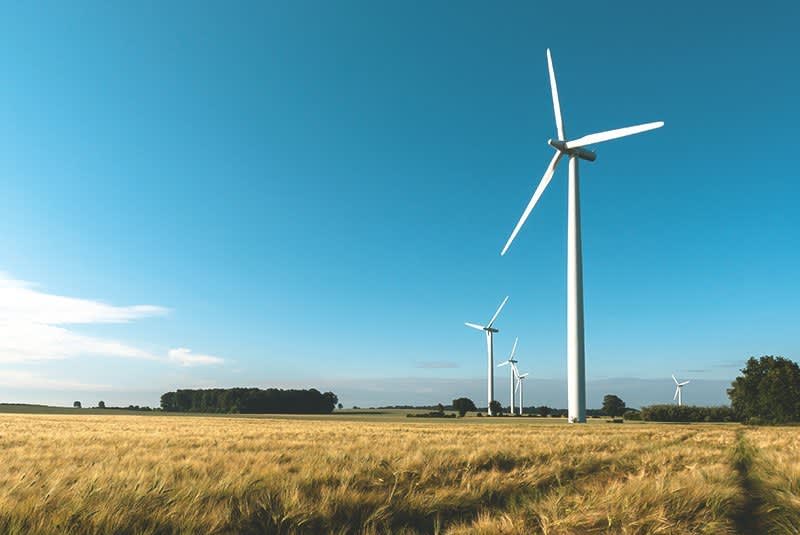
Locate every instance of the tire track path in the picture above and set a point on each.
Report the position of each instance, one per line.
(747, 518)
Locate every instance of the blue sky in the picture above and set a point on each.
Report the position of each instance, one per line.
(316, 194)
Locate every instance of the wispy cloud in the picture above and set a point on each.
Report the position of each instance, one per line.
(23, 342)
(436, 364)
(34, 326)
(731, 364)
(20, 302)
(185, 357)
(31, 380)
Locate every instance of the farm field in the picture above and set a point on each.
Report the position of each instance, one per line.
(155, 474)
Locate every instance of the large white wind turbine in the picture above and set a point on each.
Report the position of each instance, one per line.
(521, 389)
(574, 150)
(490, 348)
(678, 389)
(512, 374)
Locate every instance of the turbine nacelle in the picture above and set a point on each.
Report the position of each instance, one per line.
(579, 152)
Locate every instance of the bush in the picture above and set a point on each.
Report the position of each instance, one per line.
(632, 415)
(687, 413)
(432, 414)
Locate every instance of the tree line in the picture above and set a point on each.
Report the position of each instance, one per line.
(250, 401)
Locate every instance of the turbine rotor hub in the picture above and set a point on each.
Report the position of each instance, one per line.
(578, 152)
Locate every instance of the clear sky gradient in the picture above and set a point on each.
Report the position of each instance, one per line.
(316, 194)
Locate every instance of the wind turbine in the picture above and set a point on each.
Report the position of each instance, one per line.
(490, 349)
(512, 373)
(574, 150)
(678, 389)
(521, 389)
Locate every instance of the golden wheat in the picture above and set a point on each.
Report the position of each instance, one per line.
(171, 474)
(776, 477)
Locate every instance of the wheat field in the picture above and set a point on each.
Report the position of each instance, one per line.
(119, 474)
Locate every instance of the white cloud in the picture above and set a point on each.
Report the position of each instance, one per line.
(185, 357)
(32, 327)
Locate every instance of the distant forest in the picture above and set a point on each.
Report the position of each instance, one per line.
(250, 401)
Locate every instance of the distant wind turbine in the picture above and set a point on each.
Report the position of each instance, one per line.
(678, 389)
(490, 349)
(521, 389)
(512, 373)
(574, 150)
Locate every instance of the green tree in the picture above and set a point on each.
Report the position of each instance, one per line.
(168, 402)
(769, 389)
(331, 400)
(76, 404)
(613, 405)
(496, 407)
(101, 405)
(463, 406)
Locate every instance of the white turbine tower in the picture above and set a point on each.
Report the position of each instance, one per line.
(512, 373)
(678, 389)
(490, 348)
(574, 150)
(521, 389)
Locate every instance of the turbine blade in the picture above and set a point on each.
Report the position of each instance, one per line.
(514, 349)
(676, 394)
(673, 378)
(591, 139)
(524, 375)
(491, 321)
(684, 383)
(516, 388)
(502, 364)
(548, 174)
(473, 325)
(554, 92)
